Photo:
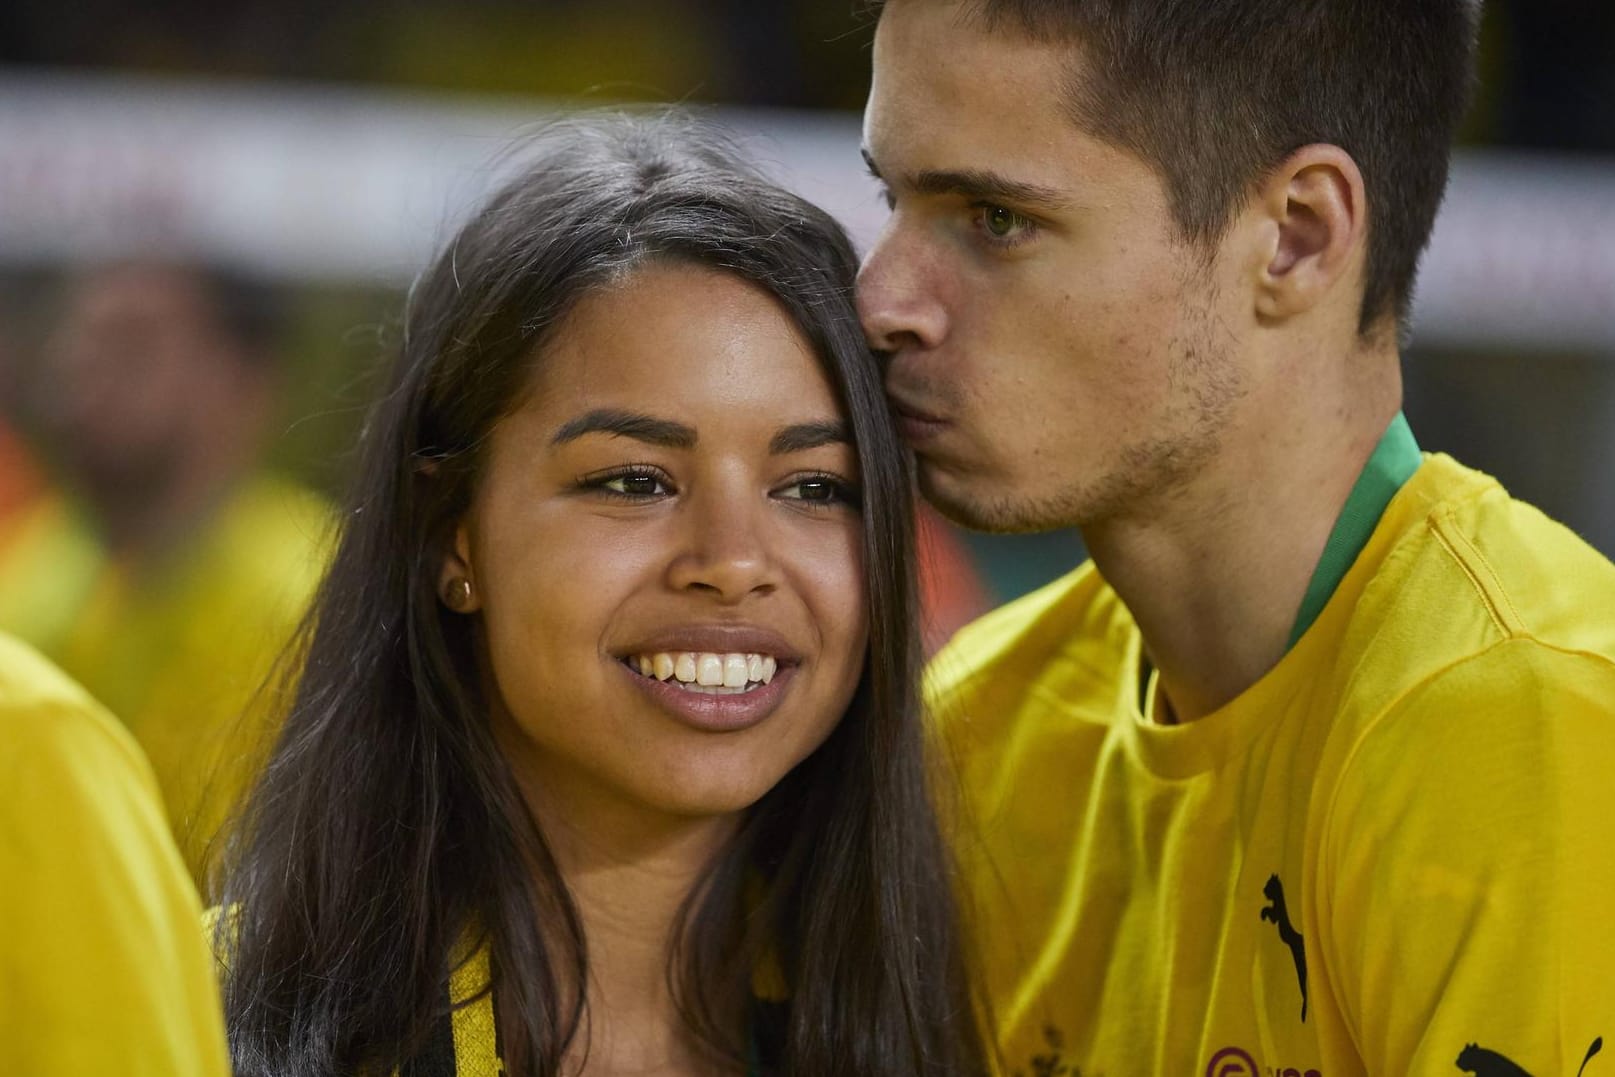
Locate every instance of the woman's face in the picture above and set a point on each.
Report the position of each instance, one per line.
(665, 552)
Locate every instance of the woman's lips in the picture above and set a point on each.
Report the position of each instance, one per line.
(714, 709)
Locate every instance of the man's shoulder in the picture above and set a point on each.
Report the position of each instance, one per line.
(1057, 656)
(1022, 636)
(1537, 578)
(1459, 569)
(1473, 566)
(1514, 706)
(1485, 645)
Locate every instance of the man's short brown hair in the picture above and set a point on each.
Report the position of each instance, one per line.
(1214, 94)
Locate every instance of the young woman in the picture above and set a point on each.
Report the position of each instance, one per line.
(604, 755)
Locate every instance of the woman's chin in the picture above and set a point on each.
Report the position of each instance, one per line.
(709, 795)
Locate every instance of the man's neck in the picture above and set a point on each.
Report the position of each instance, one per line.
(1215, 573)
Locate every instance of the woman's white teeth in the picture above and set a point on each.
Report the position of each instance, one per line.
(705, 670)
(709, 670)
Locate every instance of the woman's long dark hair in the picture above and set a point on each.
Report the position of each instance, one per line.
(387, 829)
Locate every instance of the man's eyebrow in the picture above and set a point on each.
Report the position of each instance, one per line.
(979, 185)
(805, 436)
(628, 424)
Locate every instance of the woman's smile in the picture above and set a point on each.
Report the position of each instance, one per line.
(715, 677)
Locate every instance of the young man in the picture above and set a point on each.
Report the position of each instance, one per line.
(1308, 772)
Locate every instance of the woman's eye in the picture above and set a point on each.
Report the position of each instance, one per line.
(816, 490)
(632, 484)
(819, 491)
(636, 485)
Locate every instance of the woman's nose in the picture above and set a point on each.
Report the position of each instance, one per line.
(725, 550)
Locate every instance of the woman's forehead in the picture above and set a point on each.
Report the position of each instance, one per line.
(686, 343)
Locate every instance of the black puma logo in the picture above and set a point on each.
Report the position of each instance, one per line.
(1277, 913)
(1483, 1063)
(1053, 1063)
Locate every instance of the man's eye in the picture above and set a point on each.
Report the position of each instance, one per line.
(999, 221)
(1001, 224)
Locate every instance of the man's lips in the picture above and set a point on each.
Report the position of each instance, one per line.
(915, 424)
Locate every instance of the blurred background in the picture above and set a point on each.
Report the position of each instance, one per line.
(209, 212)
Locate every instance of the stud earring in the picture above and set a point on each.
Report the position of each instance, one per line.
(457, 594)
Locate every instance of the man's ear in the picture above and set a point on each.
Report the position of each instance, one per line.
(456, 582)
(1316, 209)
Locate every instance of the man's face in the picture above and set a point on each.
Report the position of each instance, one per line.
(1058, 354)
(137, 357)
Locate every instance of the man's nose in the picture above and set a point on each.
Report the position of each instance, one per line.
(898, 301)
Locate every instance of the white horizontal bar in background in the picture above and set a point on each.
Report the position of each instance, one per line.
(311, 182)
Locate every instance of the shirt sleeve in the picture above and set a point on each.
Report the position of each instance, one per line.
(1467, 890)
(102, 966)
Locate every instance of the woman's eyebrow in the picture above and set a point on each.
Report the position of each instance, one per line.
(627, 424)
(804, 436)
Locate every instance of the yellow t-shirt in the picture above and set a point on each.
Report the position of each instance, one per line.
(1394, 854)
(101, 967)
(177, 651)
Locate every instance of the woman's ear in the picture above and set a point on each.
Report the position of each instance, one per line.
(1317, 212)
(456, 583)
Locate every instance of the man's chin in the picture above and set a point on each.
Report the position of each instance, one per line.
(978, 503)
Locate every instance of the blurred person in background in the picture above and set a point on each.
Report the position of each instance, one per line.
(21, 484)
(169, 571)
(1308, 770)
(103, 968)
(606, 755)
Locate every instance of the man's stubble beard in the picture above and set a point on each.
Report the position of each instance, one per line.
(1146, 472)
